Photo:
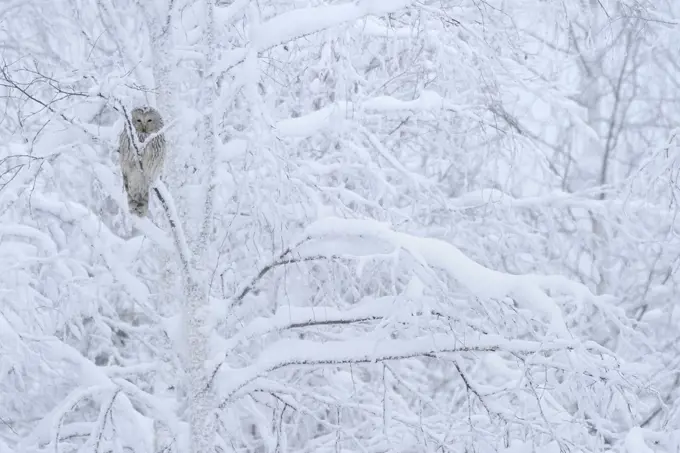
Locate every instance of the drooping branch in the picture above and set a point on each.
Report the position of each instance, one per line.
(278, 261)
(13, 84)
(312, 353)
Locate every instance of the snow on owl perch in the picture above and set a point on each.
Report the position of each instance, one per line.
(137, 181)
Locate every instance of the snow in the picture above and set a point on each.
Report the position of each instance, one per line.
(304, 21)
(480, 281)
(332, 115)
(635, 442)
(310, 124)
(382, 225)
(309, 353)
(374, 28)
(25, 231)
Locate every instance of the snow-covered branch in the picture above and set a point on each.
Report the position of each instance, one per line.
(310, 353)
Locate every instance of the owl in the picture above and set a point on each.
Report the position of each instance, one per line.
(138, 181)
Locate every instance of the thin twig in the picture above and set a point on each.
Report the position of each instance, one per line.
(279, 261)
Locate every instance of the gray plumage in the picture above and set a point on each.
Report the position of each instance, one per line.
(138, 182)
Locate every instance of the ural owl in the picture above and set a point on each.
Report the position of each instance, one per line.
(137, 182)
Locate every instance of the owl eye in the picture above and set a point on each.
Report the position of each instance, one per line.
(149, 120)
(138, 120)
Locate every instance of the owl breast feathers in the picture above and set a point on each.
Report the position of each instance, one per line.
(138, 181)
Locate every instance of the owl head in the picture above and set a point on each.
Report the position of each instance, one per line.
(146, 120)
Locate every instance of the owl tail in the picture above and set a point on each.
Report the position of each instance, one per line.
(139, 203)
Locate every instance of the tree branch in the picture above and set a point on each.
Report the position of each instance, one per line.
(279, 261)
(310, 353)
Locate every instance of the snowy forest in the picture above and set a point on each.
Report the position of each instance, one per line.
(382, 226)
